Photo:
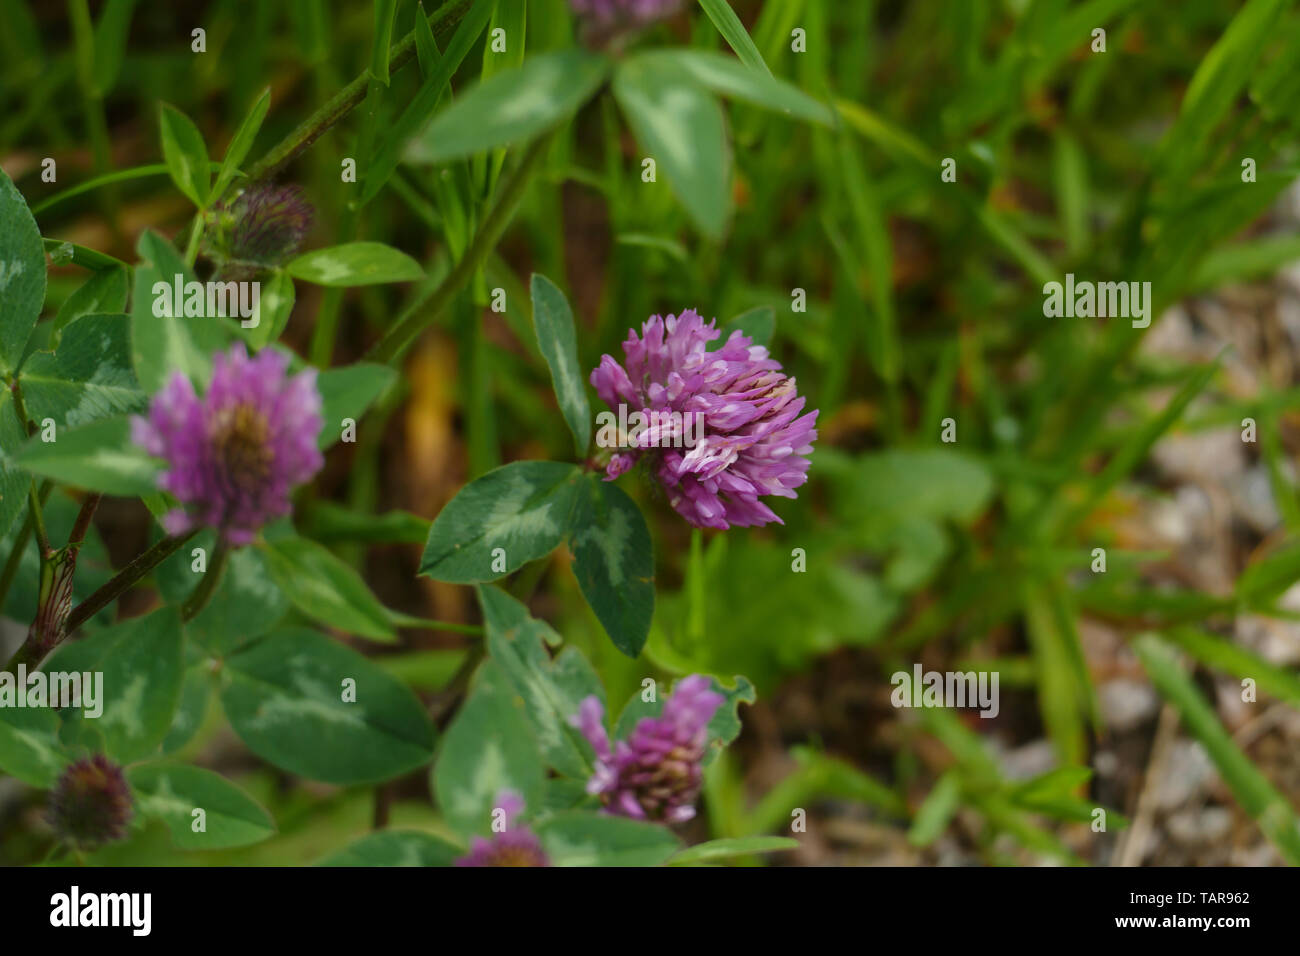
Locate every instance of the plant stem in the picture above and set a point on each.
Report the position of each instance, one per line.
(28, 656)
(20, 408)
(38, 521)
(138, 172)
(400, 336)
(15, 559)
(429, 624)
(54, 851)
(57, 570)
(198, 600)
(55, 598)
(443, 21)
(20, 545)
(192, 246)
(445, 699)
(695, 589)
(383, 800)
(524, 584)
(52, 625)
(327, 317)
(83, 36)
(125, 579)
(84, 516)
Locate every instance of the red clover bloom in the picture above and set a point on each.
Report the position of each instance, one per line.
(656, 773)
(755, 441)
(607, 20)
(262, 227)
(91, 804)
(513, 846)
(234, 455)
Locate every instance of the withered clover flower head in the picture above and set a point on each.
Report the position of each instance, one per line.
(656, 773)
(262, 227)
(234, 455)
(755, 441)
(90, 804)
(516, 845)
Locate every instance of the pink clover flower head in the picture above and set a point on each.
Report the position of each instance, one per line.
(234, 455)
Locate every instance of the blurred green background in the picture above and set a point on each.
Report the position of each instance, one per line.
(924, 302)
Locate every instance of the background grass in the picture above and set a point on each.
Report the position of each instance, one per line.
(923, 304)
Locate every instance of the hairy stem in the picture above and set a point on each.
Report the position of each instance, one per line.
(52, 625)
(57, 570)
(125, 579)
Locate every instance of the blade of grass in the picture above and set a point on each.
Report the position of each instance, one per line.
(1058, 690)
(1284, 490)
(399, 336)
(383, 38)
(1214, 651)
(1218, 80)
(733, 31)
(1267, 807)
(1071, 180)
(1136, 449)
(443, 20)
(1246, 260)
(121, 175)
(819, 775)
(936, 811)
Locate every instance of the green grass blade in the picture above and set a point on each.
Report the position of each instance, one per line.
(733, 31)
(383, 38)
(1275, 816)
(1221, 654)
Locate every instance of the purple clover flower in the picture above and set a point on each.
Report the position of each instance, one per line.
(604, 21)
(755, 441)
(90, 804)
(264, 226)
(656, 773)
(636, 11)
(513, 846)
(234, 455)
